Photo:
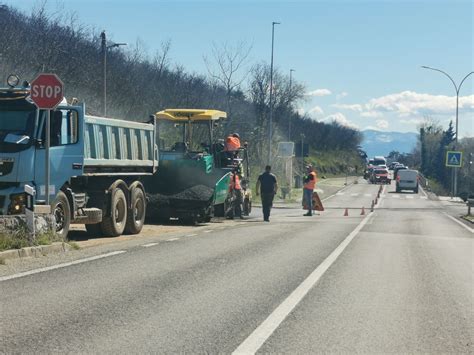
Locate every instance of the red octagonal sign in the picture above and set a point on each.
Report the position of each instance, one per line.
(47, 91)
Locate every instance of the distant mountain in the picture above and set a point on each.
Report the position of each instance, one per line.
(382, 143)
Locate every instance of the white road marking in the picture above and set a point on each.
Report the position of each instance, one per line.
(355, 194)
(367, 195)
(460, 223)
(149, 245)
(410, 197)
(207, 231)
(423, 191)
(191, 235)
(340, 193)
(258, 337)
(59, 266)
(424, 197)
(396, 196)
(172, 239)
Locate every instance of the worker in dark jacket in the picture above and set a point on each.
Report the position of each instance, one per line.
(267, 186)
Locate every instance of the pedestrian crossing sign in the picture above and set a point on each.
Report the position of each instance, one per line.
(453, 159)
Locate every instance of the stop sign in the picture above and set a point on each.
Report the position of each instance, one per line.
(47, 91)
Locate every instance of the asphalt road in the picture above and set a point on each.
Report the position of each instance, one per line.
(401, 281)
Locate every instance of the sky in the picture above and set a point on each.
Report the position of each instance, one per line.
(360, 61)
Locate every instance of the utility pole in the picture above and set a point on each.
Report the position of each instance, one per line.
(289, 118)
(270, 128)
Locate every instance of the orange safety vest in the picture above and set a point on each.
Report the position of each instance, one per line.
(311, 184)
(232, 143)
(235, 182)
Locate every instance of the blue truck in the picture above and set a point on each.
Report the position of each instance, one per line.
(97, 164)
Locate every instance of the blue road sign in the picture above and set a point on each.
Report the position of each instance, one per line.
(453, 159)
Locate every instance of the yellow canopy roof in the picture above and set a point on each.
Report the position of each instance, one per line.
(180, 115)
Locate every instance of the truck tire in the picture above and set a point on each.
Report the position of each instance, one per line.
(114, 224)
(94, 230)
(137, 212)
(62, 214)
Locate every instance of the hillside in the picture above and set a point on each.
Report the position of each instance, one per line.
(382, 143)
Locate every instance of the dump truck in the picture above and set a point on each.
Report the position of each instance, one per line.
(193, 181)
(96, 164)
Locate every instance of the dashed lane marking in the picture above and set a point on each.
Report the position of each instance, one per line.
(172, 239)
(368, 195)
(207, 231)
(340, 193)
(191, 235)
(149, 245)
(59, 266)
(410, 197)
(396, 196)
(355, 194)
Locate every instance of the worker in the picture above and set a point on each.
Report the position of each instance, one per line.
(232, 143)
(308, 188)
(267, 186)
(236, 189)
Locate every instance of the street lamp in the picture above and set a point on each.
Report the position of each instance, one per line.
(289, 117)
(104, 48)
(271, 97)
(457, 88)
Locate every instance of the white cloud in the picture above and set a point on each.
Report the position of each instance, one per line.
(341, 119)
(316, 111)
(382, 124)
(319, 92)
(301, 111)
(341, 95)
(409, 103)
(354, 107)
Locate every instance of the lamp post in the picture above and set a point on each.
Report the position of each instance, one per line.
(289, 118)
(270, 130)
(104, 48)
(457, 88)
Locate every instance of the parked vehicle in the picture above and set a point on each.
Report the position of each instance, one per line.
(96, 164)
(407, 180)
(193, 181)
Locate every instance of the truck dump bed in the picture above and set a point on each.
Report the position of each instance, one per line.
(117, 146)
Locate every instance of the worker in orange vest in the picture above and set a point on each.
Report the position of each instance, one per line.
(232, 143)
(236, 188)
(309, 185)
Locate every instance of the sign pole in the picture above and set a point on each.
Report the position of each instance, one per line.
(46, 155)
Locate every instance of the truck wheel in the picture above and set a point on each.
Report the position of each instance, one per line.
(62, 214)
(136, 215)
(94, 230)
(114, 225)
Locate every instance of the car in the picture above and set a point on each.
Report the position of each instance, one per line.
(407, 179)
(391, 166)
(380, 176)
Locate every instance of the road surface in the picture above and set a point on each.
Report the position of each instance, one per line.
(397, 280)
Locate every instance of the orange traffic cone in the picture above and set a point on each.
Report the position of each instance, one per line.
(346, 213)
(362, 213)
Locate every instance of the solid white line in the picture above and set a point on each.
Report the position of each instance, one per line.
(191, 235)
(460, 223)
(269, 325)
(172, 239)
(59, 266)
(424, 193)
(340, 193)
(149, 245)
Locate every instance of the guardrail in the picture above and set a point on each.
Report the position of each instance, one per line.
(424, 182)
